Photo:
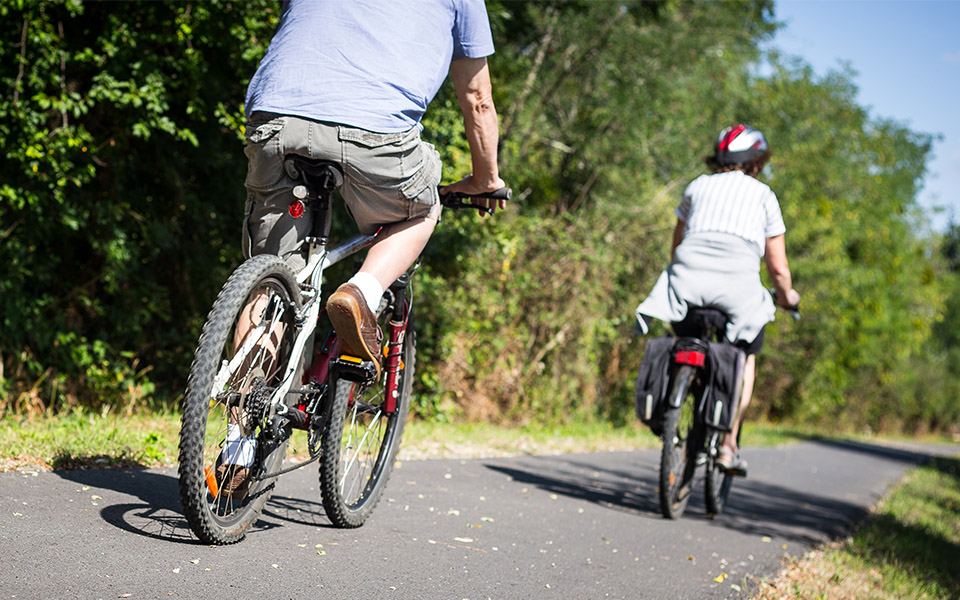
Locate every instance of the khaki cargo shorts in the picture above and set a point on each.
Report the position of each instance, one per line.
(388, 178)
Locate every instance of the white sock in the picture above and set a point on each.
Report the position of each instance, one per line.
(238, 450)
(370, 288)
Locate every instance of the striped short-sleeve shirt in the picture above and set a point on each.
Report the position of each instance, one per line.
(734, 203)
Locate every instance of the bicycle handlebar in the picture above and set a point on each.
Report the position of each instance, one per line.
(458, 200)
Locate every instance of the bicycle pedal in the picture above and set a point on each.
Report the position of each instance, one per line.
(355, 369)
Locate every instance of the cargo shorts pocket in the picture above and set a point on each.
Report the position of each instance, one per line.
(264, 154)
(421, 186)
(388, 161)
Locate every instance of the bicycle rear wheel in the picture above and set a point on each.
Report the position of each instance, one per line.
(361, 439)
(241, 358)
(678, 460)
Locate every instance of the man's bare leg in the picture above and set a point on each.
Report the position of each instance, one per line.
(352, 308)
(398, 246)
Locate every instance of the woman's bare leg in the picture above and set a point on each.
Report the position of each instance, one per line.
(749, 374)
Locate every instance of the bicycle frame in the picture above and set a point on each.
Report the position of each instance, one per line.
(310, 277)
(326, 176)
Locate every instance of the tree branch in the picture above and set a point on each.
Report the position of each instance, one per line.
(517, 106)
(23, 60)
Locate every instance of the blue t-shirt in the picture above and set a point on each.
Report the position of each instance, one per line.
(372, 64)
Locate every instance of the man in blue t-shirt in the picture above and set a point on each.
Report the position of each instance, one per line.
(349, 82)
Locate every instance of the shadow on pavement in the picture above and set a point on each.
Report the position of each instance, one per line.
(754, 507)
(886, 452)
(633, 492)
(159, 514)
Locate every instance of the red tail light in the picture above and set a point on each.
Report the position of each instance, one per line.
(296, 209)
(691, 357)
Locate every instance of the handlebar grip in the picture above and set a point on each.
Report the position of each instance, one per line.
(503, 193)
(461, 200)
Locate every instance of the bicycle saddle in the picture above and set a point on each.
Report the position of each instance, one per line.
(313, 170)
(700, 320)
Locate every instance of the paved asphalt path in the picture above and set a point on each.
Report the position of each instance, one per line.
(571, 526)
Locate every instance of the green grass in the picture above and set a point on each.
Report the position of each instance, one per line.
(907, 549)
(83, 439)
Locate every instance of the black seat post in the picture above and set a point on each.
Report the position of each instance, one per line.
(320, 178)
(320, 231)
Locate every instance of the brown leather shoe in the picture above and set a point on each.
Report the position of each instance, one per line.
(355, 324)
(234, 480)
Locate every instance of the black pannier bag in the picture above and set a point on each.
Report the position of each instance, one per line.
(726, 380)
(651, 388)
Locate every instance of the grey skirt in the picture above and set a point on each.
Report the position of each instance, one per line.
(713, 269)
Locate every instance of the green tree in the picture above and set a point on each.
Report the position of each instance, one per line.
(120, 196)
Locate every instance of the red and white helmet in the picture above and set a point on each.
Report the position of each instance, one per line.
(739, 144)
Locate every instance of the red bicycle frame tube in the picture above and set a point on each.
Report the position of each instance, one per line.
(393, 362)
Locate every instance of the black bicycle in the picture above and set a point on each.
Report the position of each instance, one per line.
(261, 370)
(695, 417)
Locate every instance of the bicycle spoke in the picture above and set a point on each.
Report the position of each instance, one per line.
(376, 423)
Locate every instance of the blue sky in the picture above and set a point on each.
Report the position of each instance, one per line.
(907, 56)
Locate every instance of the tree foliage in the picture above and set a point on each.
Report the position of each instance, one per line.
(121, 200)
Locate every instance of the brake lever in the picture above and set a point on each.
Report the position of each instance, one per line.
(458, 203)
(457, 200)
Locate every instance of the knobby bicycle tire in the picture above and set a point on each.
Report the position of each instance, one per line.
(229, 387)
(360, 441)
(678, 459)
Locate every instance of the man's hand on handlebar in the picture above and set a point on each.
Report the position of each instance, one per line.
(469, 186)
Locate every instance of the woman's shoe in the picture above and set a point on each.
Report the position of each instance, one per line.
(731, 463)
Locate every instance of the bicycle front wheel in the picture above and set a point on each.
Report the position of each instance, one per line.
(717, 488)
(362, 436)
(678, 460)
(228, 438)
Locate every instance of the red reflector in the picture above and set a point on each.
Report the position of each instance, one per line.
(690, 357)
(296, 209)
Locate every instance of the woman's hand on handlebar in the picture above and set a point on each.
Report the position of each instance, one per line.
(473, 187)
(790, 301)
(792, 304)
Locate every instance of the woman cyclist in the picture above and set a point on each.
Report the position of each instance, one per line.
(726, 222)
